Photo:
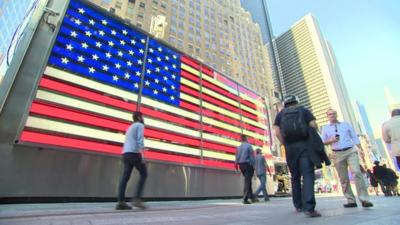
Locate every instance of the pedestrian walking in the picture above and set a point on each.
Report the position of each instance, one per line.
(342, 139)
(291, 128)
(391, 134)
(245, 161)
(132, 158)
(260, 167)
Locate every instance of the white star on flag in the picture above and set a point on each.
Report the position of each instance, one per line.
(81, 59)
(73, 34)
(65, 60)
(70, 47)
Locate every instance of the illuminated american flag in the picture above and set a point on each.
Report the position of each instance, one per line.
(91, 86)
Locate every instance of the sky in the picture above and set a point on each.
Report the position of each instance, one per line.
(365, 37)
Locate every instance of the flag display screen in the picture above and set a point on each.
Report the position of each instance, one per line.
(100, 70)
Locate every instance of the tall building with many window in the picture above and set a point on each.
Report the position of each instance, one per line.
(260, 15)
(310, 71)
(219, 33)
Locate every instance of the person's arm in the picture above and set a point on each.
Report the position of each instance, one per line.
(325, 139)
(354, 137)
(251, 155)
(385, 135)
(236, 159)
(266, 166)
(278, 134)
(313, 124)
(140, 137)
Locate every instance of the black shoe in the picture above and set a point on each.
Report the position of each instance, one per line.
(366, 204)
(246, 202)
(266, 200)
(350, 205)
(122, 206)
(254, 200)
(314, 213)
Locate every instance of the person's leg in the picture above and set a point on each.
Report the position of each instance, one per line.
(296, 186)
(341, 168)
(125, 176)
(259, 189)
(141, 167)
(263, 180)
(247, 180)
(250, 192)
(376, 191)
(307, 172)
(354, 166)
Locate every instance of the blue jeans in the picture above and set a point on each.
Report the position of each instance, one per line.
(303, 195)
(263, 179)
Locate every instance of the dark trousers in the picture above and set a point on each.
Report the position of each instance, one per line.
(247, 171)
(303, 195)
(132, 160)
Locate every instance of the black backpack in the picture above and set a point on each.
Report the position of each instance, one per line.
(293, 125)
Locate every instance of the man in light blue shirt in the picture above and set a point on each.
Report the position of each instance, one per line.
(132, 157)
(245, 161)
(342, 138)
(260, 166)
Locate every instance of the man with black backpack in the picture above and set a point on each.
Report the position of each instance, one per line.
(291, 128)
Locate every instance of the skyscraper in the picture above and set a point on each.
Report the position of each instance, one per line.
(364, 128)
(310, 71)
(219, 33)
(260, 15)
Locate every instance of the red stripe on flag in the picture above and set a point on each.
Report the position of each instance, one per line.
(28, 136)
(190, 62)
(190, 76)
(85, 94)
(77, 116)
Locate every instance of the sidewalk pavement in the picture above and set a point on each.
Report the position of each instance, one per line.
(277, 211)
